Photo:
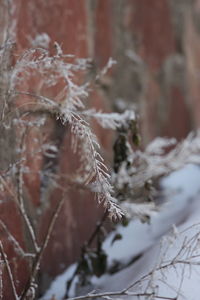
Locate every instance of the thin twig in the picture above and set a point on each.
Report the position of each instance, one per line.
(52, 104)
(1, 277)
(87, 244)
(4, 256)
(97, 228)
(20, 195)
(22, 212)
(17, 246)
(120, 293)
(164, 266)
(38, 258)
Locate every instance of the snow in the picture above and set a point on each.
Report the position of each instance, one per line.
(182, 189)
(183, 185)
(58, 286)
(41, 40)
(183, 210)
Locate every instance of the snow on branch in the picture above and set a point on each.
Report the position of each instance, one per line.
(111, 120)
(129, 188)
(156, 160)
(135, 182)
(97, 172)
(142, 211)
(68, 106)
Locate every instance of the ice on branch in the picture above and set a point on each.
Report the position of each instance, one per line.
(134, 181)
(68, 106)
(156, 160)
(111, 120)
(41, 40)
(142, 211)
(92, 162)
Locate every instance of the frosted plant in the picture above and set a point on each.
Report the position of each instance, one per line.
(176, 264)
(134, 170)
(68, 106)
(41, 40)
(136, 175)
(111, 120)
(29, 108)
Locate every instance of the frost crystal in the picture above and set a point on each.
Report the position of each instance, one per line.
(68, 106)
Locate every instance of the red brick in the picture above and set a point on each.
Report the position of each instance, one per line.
(103, 35)
(151, 25)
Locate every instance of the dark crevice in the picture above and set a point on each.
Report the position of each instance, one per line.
(51, 161)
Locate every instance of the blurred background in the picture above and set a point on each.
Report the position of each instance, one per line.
(157, 48)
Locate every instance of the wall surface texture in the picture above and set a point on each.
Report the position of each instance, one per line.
(156, 45)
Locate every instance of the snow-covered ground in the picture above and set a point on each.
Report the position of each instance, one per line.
(180, 246)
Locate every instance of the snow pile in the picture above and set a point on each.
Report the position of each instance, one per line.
(58, 286)
(141, 243)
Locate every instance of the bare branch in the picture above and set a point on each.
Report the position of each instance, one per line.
(119, 293)
(38, 258)
(17, 246)
(21, 198)
(22, 212)
(4, 256)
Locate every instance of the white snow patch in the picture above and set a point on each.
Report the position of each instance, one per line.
(184, 186)
(41, 40)
(58, 286)
(181, 210)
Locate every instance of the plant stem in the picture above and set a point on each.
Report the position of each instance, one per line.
(38, 258)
